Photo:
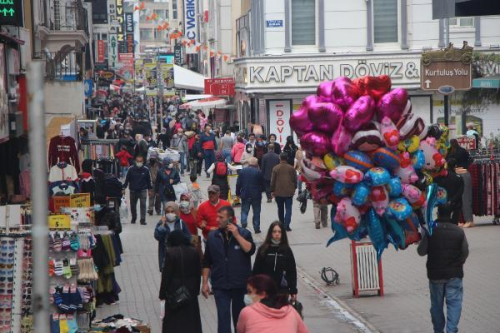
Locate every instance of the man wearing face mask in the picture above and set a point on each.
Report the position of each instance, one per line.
(165, 226)
(139, 178)
(227, 260)
(209, 146)
(154, 198)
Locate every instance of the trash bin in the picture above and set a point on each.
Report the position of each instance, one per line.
(366, 269)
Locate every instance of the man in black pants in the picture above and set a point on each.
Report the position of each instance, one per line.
(139, 178)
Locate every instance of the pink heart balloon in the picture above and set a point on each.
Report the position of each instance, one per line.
(392, 104)
(324, 91)
(344, 92)
(300, 122)
(341, 140)
(316, 143)
(359, 114)
(325, 116)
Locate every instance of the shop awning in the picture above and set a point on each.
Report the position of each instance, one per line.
(490, 82)
(195, 97)
(187, 79)
(10, 39)
(205, 104)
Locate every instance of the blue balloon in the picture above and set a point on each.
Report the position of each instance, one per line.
(376, 231)
(432, 201)
(340, 231)
(358, 160)
(360, 194)
(400, 209)
(442, 196)
(394, 187)
(418, 160)
(341, 189)
(377, 177)
(395, 232)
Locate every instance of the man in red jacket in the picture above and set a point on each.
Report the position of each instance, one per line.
(207, 212)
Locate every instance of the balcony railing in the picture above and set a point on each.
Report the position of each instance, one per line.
(62, 66)
(65, 16)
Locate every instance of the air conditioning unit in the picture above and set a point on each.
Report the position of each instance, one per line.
(16, 127)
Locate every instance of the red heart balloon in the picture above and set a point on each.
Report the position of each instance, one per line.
(300, 122)
(374, 86)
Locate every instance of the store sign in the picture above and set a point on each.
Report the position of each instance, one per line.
(295, 73)
(446, 73)
(60, 202)
(126, 64)
(113, 51)
(129, 23)
(191, 22)
(80, 200)
(11, 12)
(274, 23)
(178, 55)
(130, 43)
(107, 75)
(279, 115)
(120, 17)
(100, 51)
(220, 87)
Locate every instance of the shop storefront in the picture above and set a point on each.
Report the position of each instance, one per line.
(270, 89)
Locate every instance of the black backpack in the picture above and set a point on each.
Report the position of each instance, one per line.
(113, 187)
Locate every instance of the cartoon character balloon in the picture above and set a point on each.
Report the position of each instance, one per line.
(346, 174)
(380, 199)
(433, 159)
(348, 215)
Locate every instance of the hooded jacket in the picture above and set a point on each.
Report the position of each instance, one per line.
(259, 318)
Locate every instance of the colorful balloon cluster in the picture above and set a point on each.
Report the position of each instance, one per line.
(372, 158)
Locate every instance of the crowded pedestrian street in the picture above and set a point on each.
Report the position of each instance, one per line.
(249, 166)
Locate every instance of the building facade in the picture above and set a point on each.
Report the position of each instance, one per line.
(286, 48)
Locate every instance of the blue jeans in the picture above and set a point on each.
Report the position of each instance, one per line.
(183, 161)
(284, 204)
(209, 155)
(227, 155)
(245, 208)
(225, 299)
(453, 292)
(124, 171)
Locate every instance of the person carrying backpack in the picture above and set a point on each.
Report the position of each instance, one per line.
(219, 170)
(165, 179)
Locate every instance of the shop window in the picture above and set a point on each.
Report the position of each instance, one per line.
(385, 21)
(174, 10)
(461, 22)
(146, 34)
(303, 22)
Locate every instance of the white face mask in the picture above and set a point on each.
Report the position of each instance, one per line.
(170, 217)
(185, 204)
(248, 299)
(139, 165)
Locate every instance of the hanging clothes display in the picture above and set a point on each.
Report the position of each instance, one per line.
(485, 188)
(467, 212)
(62, 171)
(63, 149)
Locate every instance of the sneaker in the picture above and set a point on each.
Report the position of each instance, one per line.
(325, 225)
(318, 226)
(133, 221)
(143, 222)
(288, 229)
(150, 212)
(257, 231)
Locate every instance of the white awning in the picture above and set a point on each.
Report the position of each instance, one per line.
(204, 104)
(190, 97)
(187, 79)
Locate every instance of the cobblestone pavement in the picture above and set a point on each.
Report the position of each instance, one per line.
(403, 309)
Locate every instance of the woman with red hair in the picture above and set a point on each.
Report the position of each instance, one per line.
(267, 311)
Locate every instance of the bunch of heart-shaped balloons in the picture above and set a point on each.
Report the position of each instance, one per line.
(371, 157)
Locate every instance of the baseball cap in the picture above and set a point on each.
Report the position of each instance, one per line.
(214, 188)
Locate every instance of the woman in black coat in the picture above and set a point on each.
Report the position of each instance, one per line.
(275, 259)
(181, 268)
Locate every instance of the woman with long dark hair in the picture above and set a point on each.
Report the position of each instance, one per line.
(182, 268)
(290, 149)
(272, 139)
(267, 311)
(275, 259)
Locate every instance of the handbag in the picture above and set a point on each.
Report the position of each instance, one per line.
(298, 307)
(180, 297)
(168, 191)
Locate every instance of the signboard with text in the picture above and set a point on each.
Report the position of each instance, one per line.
(11, 12)
(467, 142)
(191, 23)
(446, 73)
(279, 115)
(220, 87)
(100, 51)
(113, 51)
(274, 23)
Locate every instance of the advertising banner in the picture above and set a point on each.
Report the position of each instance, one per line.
(126, 64)
(113, 51)
(279, 114)
(100, 51)
(191, 23)
(167, 75)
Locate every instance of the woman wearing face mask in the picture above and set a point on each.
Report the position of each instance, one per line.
(247, 155)
(267, 311)
(188, 216)
(275, 259)
(272, 139)
(220, 170)
(105, 216)
(168, 223)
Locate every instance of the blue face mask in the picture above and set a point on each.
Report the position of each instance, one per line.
(98, 208)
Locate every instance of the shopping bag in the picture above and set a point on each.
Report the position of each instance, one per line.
(124, 209)
(180, 188)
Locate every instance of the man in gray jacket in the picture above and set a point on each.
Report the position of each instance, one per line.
(269, 161)
(283, 185)
(179, 142)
